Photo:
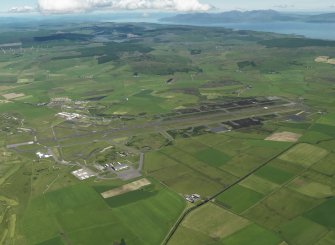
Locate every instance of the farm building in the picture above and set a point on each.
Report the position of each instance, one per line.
(192, 198)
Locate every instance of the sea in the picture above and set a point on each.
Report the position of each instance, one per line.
(311, 30)
(324, 31)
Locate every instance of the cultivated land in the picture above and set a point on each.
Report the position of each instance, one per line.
(151, 114)
(284, 136)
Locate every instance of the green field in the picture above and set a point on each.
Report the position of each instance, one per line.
(274, 174)
(310, 188)
(321, 213)
(208, 224)
(258, 184)
(304, 154)
(125, 220)
(212, 157)
(302, 231)
(239, 198)
(253, 235)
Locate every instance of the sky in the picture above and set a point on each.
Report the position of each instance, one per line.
(75, 6)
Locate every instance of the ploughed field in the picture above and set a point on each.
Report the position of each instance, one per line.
(154, 114)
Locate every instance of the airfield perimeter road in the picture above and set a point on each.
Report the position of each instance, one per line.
(171, 123)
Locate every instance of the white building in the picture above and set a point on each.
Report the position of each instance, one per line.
(42, 155)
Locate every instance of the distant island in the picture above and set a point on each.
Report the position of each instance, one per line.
(248, 16)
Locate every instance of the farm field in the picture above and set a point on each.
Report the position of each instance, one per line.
(77, 202)
(153, 134)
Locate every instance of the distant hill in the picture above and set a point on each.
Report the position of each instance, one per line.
(330, 17)
(247, 16)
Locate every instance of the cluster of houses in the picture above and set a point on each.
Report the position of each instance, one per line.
(192, 198)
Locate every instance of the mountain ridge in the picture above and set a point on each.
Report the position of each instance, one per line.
(236, 16)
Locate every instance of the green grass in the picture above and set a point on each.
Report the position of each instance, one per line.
(259, 184)
(289, 204)
(274, 174)
(212, 157)
(301, 231)
(214, 221)
(325, 129)
(323, 214)
(328, 119)
(70, 210)
(326, 165)
(311, 188)
(264, 215)
(53, 241)
(313, 137)
(130, 197)
(239, 198)
(193, 183)
(253, 235)
(304, 154)
(156, 160)
(188, 236)
(328, 239)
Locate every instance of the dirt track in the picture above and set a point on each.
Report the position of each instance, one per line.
(133, 186)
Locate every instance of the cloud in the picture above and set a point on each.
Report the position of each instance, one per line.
(74, 6)
(22, 9)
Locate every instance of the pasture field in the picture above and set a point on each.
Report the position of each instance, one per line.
(327, 239)
(212, 157)
(320, 214)
(253, 234)
(302, 231)
(74, 203)
(304, 154)
(326, 166)
(289, 204)
(310, 188)
(239, 117)
(274, 174)
(239, 198)
(208, 224)
(259, 184)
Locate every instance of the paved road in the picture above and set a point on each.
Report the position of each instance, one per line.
(141, 162)
(20, 144)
